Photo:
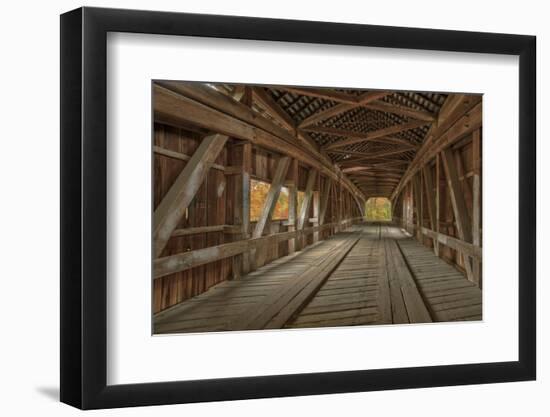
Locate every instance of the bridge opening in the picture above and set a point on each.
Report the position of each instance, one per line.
(378, 209)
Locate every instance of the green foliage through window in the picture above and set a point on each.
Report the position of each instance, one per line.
(378, 209)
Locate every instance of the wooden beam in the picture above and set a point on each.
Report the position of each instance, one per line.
(272, 196)
(324, 93)
(459, 116)
(186, 260)
(437, 200)
(292, 204)
(172, 207)
(383, 175)
(183, 157)
(224, 115)
(357, 135)
(458, 203)
(266, 101)
(462, 218)
(316, 208)
(308, 194)
(402, 111)
(335, 132)
(375, 155)
(476, 206)
(343, 107)
(429, 189)
(388, 131)
(198, 230)
(326, 114)
(258, 255)
(310, 142)
(274, 110)
(239, 92)
(324, 201)
(418, 204)
(241, 263)
(466, 189)
(454, 243)
(371, 96)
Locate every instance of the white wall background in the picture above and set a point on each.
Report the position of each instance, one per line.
(29, 212)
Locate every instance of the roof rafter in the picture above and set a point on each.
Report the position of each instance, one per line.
(400, 110)
(388, 131)
(324, 93)
(343, 107)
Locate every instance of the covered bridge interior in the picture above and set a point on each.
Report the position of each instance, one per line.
(308, 256)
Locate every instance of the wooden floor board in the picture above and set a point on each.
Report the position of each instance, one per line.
(368, 275)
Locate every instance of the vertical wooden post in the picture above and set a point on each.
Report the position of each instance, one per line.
(428, 186)
(462, 218)
(316, 210)
(465, 185)
(333, 208)
(234, 202)
(421, 185)
(245, 187)
(240, 203)
(404, 208)
(324, 201)
(437, 197)
(476, 206)
(268, 207)
(418, 203)
(304, 210)
(292, 203)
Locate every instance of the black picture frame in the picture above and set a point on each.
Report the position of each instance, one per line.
(84, 207)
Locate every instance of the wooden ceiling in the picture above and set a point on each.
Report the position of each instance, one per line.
(371, 135)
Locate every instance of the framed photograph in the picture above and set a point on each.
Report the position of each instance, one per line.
(257, 208)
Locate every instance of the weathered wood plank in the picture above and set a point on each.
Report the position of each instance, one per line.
(324, 201)
(476, 205)
(182, 157)
(418, 205)
(197, 230)
(292, 204)
(175, 263)
(280, 306)
(398, 309)
(308, 195)
(437, 201)
(415, 308)
(428, 184)
(454, 243)
(172, 207)
(462, 218)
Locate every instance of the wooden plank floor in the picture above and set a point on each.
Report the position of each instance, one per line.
(351, 295)
(448, 295)
(368, 275)
(218, 308)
